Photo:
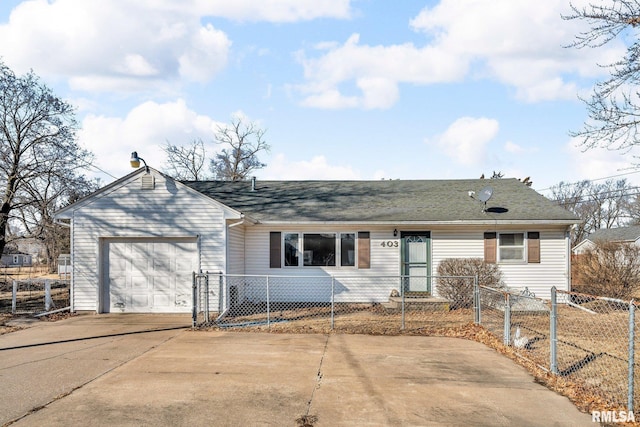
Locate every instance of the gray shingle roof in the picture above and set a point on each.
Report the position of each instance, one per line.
(620, 234)
(383, 201)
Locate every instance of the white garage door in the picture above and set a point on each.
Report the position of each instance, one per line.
(148, 275)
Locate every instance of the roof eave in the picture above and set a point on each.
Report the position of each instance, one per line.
(456, 222)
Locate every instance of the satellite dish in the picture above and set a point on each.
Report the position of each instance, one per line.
(485, 194)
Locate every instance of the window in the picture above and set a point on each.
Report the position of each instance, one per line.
(291, 250)
(348, 249)
(318, 249)
(511, 247)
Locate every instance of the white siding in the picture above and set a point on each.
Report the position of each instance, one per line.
(537, 277)
(236, 258)
(169, 210)
(551, 271)
(375, 283)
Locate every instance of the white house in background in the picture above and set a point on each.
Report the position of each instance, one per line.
(136, 242)
(630, 234)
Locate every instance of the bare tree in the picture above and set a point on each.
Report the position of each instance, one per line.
(37, 146)
(46, 195)
(611, 269)
(599, 206)
(242, 141)
(186, 163)
(614, 116)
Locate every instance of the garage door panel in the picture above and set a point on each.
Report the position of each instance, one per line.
(161, 265)
(160, 300)
(140, 251)
(140, 302)
(120, 265)
(153, 275)
(139, 283)
(183, 266)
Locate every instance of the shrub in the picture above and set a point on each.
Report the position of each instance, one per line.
(611, 269)
(459, 290)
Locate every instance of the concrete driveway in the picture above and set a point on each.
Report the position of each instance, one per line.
(139, 370)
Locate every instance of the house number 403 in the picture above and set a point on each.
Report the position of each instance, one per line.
(389, 244)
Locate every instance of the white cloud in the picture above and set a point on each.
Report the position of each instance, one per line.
(376, 71)
(275, 10)
(145, 129)
(116, 45)
(517, 43)
(513, 148)
(465, 140)
(597, 163)
(280, 168)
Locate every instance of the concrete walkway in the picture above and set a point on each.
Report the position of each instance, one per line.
(183, 377)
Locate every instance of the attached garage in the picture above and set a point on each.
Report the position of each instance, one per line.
(147, 275)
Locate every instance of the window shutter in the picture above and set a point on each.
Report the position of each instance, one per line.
(533, 247)
(490, 247)
(364, 249)
(275, 249)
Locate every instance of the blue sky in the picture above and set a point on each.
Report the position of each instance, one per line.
(347, 89)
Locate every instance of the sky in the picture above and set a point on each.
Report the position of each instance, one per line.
(345, 89)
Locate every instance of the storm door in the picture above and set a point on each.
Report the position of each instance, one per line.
(416, 255)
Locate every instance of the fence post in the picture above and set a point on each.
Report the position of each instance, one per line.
(402, 279)
(14, 297)
(206, 298)
(632, 331)
(221, 294)
(507, 319)
(268, 306)
(476, 300)
(333, 300)
(194, 291)
(553, 329)
(48, 302)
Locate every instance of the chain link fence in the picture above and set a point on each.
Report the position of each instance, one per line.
(586, 339)
(520, 319)
(355, 304)
(34, 296)
(596, 341)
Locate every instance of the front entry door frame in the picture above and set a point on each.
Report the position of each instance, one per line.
(416, 261)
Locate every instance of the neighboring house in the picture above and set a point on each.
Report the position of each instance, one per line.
(629, 234)
(15, 260)
(64, 265)
(30, 246)
(136, 242)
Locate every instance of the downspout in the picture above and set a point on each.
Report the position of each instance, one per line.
(242, 221)
(235, 224)
(569, 255)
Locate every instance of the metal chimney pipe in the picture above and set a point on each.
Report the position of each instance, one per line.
(253, 183)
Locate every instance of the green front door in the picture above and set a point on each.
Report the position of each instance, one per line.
(416, 255)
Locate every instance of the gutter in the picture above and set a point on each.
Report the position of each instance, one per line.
(60, 222)
(243, 220)
(491, 222)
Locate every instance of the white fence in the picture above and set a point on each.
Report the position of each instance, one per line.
(34, 296)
